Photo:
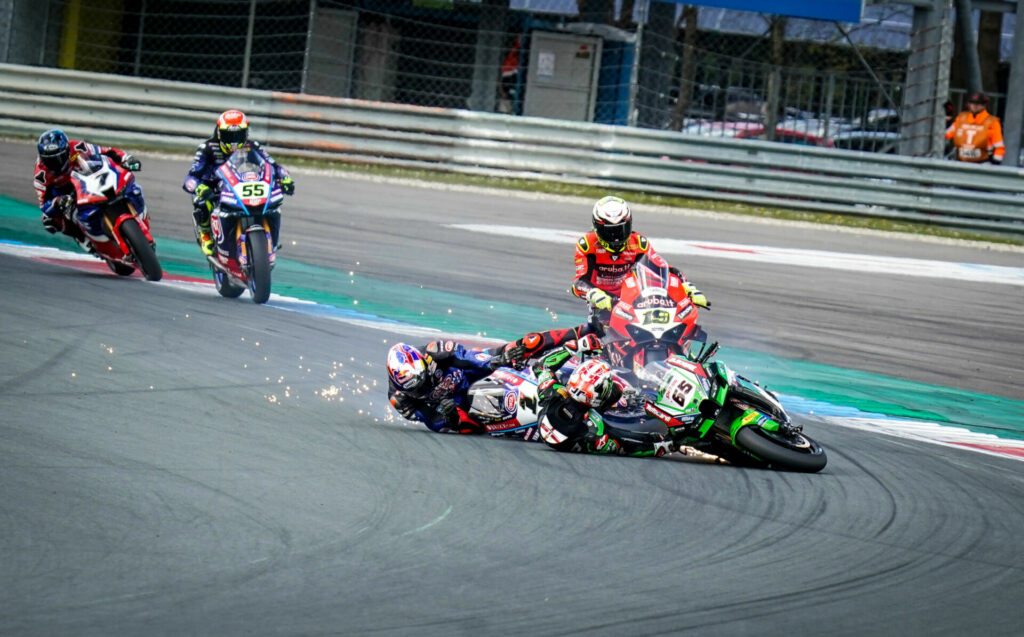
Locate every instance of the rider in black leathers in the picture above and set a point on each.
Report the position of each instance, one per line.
(570, 414)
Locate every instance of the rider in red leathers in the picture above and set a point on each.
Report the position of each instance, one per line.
(52, 181)
(603, 258)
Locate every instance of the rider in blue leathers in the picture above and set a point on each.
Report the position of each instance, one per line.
(429, 384)
(230, 134)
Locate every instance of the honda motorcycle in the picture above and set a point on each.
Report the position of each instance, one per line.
(245, 223)
(108, 203)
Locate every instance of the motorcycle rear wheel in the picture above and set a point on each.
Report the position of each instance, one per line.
(794, 452)
(143, 251)
(224, 286)
(259, 266)
(120, 269)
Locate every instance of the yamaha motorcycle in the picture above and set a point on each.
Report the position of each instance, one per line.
(245, 223)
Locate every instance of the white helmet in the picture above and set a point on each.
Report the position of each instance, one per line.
(613, 223)
(407, 369)
(592, 385)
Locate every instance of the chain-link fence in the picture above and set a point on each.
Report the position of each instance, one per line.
(697, 70)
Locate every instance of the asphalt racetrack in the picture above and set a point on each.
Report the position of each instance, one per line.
(176, 463)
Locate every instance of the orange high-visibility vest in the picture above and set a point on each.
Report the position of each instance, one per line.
(976, 137)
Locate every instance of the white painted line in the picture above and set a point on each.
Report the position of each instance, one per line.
(864, 263)
(934, 433)
(277, 301)
(915, 430)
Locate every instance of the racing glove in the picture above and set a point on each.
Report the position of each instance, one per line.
(588, 344)
(202, 195)
(403, 405)
(996, 160)
(50, 223)
(65, 205)
(441, 350)
(288, 186)
(128, 162)
(599, 299)
(696, 296)
(450, 412)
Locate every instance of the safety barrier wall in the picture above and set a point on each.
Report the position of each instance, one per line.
(175, 115)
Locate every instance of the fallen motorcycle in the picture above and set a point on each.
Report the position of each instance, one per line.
(505, 403)
(705, 405)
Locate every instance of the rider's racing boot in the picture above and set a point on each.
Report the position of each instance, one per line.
(86, 245)
(205, 239)
(518, 352)
(72, 230)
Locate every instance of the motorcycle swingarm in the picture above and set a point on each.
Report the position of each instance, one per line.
(226, 272)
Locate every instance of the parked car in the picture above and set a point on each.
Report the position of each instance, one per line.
(785, 132)
(868, 141)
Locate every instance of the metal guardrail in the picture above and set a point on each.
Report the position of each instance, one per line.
(176, 115)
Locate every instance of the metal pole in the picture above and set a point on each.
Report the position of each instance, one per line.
(829, 103)
(920, 95)
(634, 73)
(45, 40)
(487, 55)
(1013, 118)
(7, 7)
(248, 44)
(309, 45)
(138, 39)
(972, 67)
(867, 66)
(938, 143)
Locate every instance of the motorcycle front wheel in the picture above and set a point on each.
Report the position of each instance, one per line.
(142, 250)
(259, 266)
(795, 452)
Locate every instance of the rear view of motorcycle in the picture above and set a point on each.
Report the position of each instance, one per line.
(245, 226)
(108, 203)
(505, 403)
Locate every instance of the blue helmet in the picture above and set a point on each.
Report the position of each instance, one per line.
(55, 150)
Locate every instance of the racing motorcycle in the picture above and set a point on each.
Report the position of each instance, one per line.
(245, 223)
(711, 408)
(700, 403)
(107, 199)
(505, 403)
(653, 319)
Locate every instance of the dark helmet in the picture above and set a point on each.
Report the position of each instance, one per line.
(232, 130)
(55, 151)
(613, 223)
(978, 98)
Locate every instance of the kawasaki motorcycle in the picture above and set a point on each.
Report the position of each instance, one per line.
(705, 405)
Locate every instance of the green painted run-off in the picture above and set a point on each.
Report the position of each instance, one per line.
(872, 393)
